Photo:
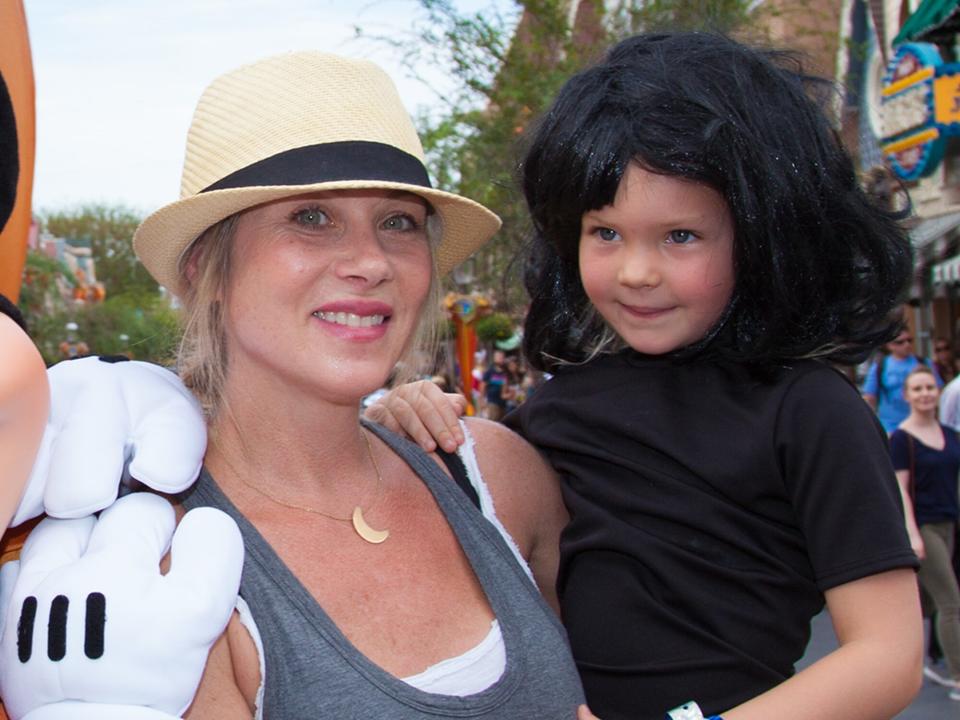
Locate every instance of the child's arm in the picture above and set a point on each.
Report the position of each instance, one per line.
(874, 673)
(424, 413)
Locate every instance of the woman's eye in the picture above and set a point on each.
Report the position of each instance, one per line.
(607, 234)
(680, 237)
(311, 217)
(400, 223)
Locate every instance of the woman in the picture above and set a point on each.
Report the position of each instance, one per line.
(926, 456)
(305, 251)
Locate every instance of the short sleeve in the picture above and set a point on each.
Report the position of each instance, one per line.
(900, 450)
(835, 462)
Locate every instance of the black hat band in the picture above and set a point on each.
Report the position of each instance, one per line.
(329, 162)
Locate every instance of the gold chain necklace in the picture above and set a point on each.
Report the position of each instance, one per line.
(360, 525)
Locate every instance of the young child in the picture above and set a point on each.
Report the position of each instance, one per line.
(701, 253)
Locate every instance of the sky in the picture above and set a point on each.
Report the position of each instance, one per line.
(117, 80)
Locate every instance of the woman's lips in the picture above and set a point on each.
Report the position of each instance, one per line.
(357, 320)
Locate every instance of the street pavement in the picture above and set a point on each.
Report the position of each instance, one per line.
(931, 702)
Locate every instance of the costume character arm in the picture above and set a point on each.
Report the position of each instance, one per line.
(24, 404)
(89, 620)
(111, 422)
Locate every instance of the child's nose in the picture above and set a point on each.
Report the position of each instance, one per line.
(640, 268)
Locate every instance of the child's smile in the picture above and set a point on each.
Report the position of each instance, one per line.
(658, 262)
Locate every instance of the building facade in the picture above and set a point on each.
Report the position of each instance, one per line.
(902, 67)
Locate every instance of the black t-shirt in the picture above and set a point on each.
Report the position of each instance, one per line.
(935, 475)
(709, 511)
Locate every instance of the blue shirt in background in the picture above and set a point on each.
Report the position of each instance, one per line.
(892, 407)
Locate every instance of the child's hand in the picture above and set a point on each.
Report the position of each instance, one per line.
(583, 713)
(423, 412)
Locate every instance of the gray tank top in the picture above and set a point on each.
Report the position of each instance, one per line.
(312, 670)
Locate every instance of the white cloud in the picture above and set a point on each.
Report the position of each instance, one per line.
(117, 80)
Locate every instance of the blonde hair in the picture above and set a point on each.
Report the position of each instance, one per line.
(205, 268)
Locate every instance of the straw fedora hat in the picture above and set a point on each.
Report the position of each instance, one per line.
(293, 124)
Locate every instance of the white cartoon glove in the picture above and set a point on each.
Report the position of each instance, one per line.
(110, 421)
(88, 618)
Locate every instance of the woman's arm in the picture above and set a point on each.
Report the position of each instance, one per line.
(526, 496)
(874, 673)
(916, 540)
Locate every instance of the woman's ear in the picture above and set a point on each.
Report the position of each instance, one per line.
(193, 271)
(192, 267)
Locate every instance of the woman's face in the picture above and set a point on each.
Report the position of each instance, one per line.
(921, 391)
(326, 290)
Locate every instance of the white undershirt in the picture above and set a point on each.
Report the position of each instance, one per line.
(476, 670)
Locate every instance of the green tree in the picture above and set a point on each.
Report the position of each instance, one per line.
(493, 327)
(134, 319)
(109, 229)
(142, 326)
(42, 292)
(727, 16)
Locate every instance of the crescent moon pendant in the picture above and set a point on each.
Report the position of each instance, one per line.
(365, 531)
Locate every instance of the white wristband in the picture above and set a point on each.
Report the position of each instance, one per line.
(689, 711)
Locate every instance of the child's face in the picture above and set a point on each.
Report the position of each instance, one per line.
(658, 262)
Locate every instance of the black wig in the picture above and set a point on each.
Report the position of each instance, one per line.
(820, 269)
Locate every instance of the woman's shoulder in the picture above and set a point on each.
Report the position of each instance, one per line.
(520, 480)
(498, 448)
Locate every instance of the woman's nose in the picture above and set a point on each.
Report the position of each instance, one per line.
(363, 256)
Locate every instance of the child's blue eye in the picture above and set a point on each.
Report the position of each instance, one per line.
(607, 234)
(681, 237)
(310, 217)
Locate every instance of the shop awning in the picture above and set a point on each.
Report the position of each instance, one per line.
(947, 271)
(932, 229)
(934, 20)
